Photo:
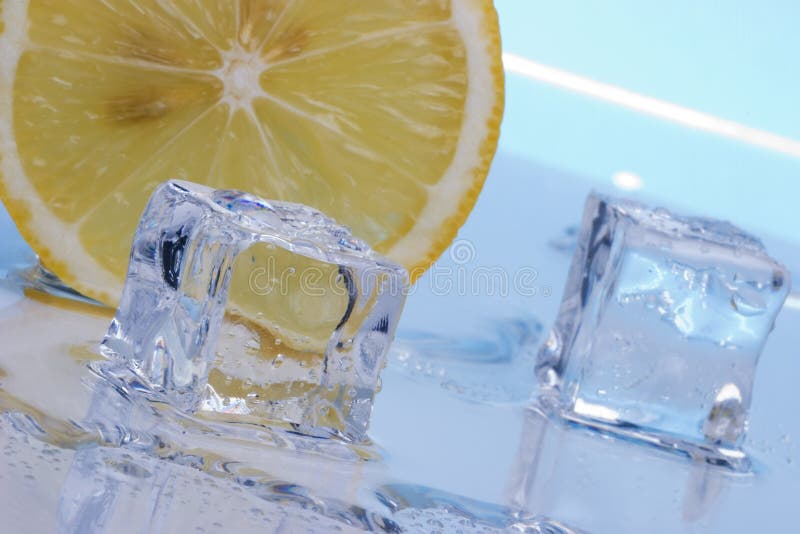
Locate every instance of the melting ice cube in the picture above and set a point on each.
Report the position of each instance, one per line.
(660, 328)
(256, 310)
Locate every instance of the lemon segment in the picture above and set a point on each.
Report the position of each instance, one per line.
(142, 31)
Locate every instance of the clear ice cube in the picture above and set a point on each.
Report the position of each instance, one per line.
(660, 328)
(260, 311)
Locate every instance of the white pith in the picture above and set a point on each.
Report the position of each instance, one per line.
(240, 76)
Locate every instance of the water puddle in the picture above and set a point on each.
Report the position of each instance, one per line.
(493, 364)
(102, 456)
(454, 447)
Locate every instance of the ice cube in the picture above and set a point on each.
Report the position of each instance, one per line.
(304, 335)
(661, 325)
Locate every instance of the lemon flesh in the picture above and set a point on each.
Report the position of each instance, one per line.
(382, 114)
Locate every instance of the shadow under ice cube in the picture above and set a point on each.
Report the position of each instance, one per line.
(255, 311)
(660, 329)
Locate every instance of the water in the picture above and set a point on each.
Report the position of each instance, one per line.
(121, 461)
(311, 312)
(661, 326)
(491, 363)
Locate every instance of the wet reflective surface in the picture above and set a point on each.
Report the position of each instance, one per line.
(453, 439)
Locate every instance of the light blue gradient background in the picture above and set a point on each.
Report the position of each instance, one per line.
(736, 60)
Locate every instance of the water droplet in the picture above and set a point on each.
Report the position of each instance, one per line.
(660, 212)
(777, 280)
(748, 302)
(726, 419)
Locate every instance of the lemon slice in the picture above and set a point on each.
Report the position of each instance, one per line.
(383, 114)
